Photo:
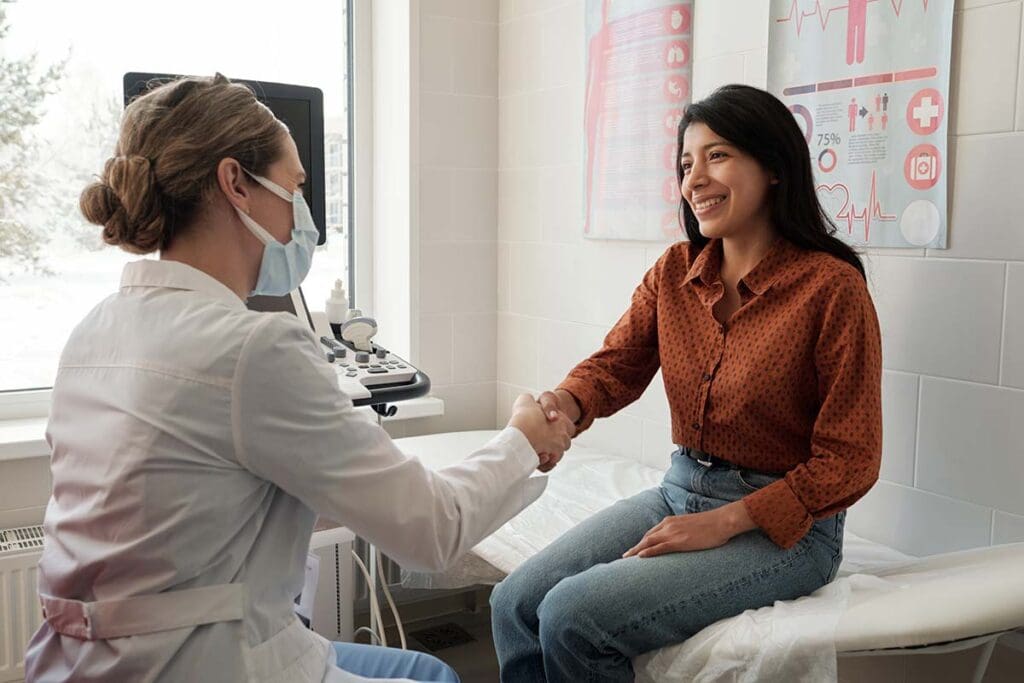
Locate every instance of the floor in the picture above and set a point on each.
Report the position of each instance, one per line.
(475, 662)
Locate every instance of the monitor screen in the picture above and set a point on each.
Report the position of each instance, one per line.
(294, 303)
(301, 108)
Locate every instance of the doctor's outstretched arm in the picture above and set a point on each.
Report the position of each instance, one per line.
(293, 427)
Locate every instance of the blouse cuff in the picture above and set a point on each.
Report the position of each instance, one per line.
(587, 399)
(778, 511)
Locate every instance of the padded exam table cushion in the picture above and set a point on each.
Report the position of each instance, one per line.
(937, 599)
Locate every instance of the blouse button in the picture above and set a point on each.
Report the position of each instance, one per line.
(696, 425)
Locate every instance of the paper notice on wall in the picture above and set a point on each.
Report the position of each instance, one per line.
(637, 87)
(868, 82)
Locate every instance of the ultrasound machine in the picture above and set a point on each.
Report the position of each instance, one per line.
(367, 372)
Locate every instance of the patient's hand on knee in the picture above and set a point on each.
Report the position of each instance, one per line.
(550, 435)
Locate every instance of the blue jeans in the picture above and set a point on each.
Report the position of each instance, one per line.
(370, 661)
(577, 611)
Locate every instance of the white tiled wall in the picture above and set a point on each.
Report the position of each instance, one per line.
(457, 210)
(984, 76)
(1008, 528)
(918, 522)
(557, 294)
(952, 320)
(939, 316)
(899, 421)
(24, 490)
(1012, 369)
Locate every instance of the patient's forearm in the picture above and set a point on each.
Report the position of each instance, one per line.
(736, 518)
(568, 405)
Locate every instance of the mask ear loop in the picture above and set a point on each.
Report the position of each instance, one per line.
(272, 186)
(261, 233)
(255, 228)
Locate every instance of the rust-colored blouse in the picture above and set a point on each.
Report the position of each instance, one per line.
(792, 383)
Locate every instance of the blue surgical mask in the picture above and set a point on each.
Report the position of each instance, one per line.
(284, 266)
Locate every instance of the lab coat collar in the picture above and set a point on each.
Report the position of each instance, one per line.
(176, 275)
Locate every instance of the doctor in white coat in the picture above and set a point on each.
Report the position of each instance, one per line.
(194, 441)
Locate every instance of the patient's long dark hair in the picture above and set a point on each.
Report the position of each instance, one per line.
(759, 124)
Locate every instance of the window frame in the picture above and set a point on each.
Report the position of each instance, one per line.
(360, 155)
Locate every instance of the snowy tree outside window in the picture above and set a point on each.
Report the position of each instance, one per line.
(61, 69)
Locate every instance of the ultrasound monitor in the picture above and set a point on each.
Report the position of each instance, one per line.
(294, 303)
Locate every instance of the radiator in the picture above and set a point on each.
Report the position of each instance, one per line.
(20, 614)
(333, 596)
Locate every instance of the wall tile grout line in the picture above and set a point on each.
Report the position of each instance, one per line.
(917, 427)
(1002, 331)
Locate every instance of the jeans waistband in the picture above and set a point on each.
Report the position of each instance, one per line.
(707, 459)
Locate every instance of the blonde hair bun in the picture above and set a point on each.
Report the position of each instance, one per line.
(126, 202)
(171, 141)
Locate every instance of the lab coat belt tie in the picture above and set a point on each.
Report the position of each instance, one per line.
(144, 613)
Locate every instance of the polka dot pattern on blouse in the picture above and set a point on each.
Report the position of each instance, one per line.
(790, 384)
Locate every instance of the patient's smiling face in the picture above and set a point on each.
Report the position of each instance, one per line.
(726, 188)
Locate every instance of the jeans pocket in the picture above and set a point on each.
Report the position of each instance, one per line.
(837, 560)
(754, 481)
(840, 526)
(827, 535)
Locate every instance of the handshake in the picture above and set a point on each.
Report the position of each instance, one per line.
(548, 422)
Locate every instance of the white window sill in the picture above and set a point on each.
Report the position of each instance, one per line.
(25, 438)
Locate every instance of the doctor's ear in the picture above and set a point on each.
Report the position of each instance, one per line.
(233, 184)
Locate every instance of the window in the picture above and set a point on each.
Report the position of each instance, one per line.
(334, 215)
(335, 145)
(60, 104)
(334, 179)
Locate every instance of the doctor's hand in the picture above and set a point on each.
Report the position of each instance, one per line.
(694, 531)
(550, 435)
(562, 401)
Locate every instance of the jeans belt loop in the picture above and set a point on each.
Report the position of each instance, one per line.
(706, 463)
(691, 454)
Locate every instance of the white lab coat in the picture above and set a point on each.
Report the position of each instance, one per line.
(193, 444)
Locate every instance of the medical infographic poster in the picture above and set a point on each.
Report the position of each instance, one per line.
(868, 82)
(637, 87)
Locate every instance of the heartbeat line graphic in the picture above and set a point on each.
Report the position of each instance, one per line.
(795, 13)
(871, 212)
